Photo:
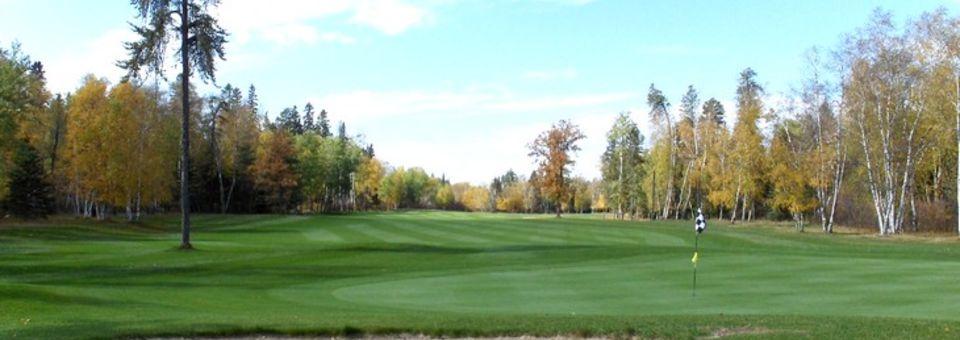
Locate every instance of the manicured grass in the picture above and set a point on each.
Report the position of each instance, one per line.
(442, 273)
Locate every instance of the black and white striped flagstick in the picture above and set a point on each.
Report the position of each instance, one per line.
(699, 227)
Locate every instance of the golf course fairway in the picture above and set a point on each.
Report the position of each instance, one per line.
(463, 274)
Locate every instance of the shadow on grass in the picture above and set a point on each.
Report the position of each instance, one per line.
(30, 294)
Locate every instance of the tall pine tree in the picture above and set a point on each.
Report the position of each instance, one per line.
(201, 43)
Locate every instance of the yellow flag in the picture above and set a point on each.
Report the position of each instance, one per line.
(696, 257)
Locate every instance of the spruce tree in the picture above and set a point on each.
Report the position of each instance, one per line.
(323, 124)
(308, 125)
(289, 120)
(30, 193)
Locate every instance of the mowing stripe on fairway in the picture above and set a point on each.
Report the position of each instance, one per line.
(491, 231)
(381, 234)
(437, 236)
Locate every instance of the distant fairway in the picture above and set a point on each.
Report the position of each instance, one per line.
(441, 273)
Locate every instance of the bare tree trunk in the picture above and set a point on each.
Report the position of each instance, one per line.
(878, 202)
(185, 127)
(215, 148)
(684, 192)
(743, 209)
(233, 184)
(839, 167)
(668, 199)
(138, 205)
(128, 209)
(913, 213)
(655, 199)
(560, 198)
(736, 199)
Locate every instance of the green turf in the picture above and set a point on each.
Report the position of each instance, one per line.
(468, 274)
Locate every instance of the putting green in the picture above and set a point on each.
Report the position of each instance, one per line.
(445, 273)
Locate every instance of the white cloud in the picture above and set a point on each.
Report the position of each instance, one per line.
(289, 34)
(371, 105)
(98, 57)
(560, 74)
(296, 21)
(473, 135)
(389, 16)
(295, 33)
(338, 38)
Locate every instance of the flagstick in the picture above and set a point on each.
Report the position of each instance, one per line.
(696, 251)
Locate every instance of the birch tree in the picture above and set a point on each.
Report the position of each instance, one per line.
(938, 37)
(829, 155)
(661, 117)
(884, 94)
(689, 152)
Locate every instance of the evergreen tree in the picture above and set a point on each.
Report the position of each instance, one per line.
(621, 165)
(688, 105)
(323, 124)
(713, 111)
(30, 192)
(253, 101)
(201, 43)
(308, 125)
(289, 120)
(342, 131)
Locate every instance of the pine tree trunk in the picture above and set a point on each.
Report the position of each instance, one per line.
(185, 127)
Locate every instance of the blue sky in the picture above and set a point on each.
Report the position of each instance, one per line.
(461, 87)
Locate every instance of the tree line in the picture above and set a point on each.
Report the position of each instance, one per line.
(869, 137)
(108, 150)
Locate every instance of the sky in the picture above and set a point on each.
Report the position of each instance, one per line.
(461, 87)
